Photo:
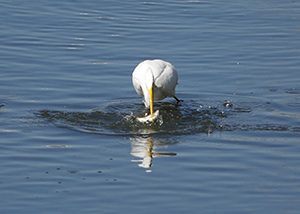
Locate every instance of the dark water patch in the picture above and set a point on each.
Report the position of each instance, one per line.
(273, 90)
(188, 117)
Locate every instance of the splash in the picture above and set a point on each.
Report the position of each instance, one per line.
(121, 119)
(184, 118)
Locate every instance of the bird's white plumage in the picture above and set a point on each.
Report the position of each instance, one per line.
(164, 79)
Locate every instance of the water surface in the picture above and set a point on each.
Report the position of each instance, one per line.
(70, 142)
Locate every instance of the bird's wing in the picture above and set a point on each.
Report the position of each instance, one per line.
(167, 80)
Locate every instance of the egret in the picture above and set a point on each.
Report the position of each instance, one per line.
(154, 80)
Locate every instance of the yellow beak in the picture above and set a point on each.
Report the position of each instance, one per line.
(151, 102)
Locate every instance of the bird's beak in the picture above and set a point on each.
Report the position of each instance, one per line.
(151, 103)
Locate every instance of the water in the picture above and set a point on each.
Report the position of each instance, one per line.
(70, 142)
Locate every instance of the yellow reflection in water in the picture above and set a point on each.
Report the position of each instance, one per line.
(145, 148)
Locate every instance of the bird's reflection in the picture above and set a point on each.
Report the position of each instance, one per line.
(146, 148)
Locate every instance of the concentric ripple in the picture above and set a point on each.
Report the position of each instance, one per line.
(120, 119)
(188, 117)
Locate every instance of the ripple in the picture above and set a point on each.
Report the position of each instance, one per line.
(7, 95)
(258, 127)
(120, 119)
(184, 118)
(293, 91)
(294, 105)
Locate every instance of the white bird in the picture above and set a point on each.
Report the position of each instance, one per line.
(154, 80)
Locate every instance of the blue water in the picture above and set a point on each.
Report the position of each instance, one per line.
(69, 139)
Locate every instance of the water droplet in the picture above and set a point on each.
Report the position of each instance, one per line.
(227, 104)
(209, 131)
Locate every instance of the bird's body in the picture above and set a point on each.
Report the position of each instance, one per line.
(154, 80)
(164, 75)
